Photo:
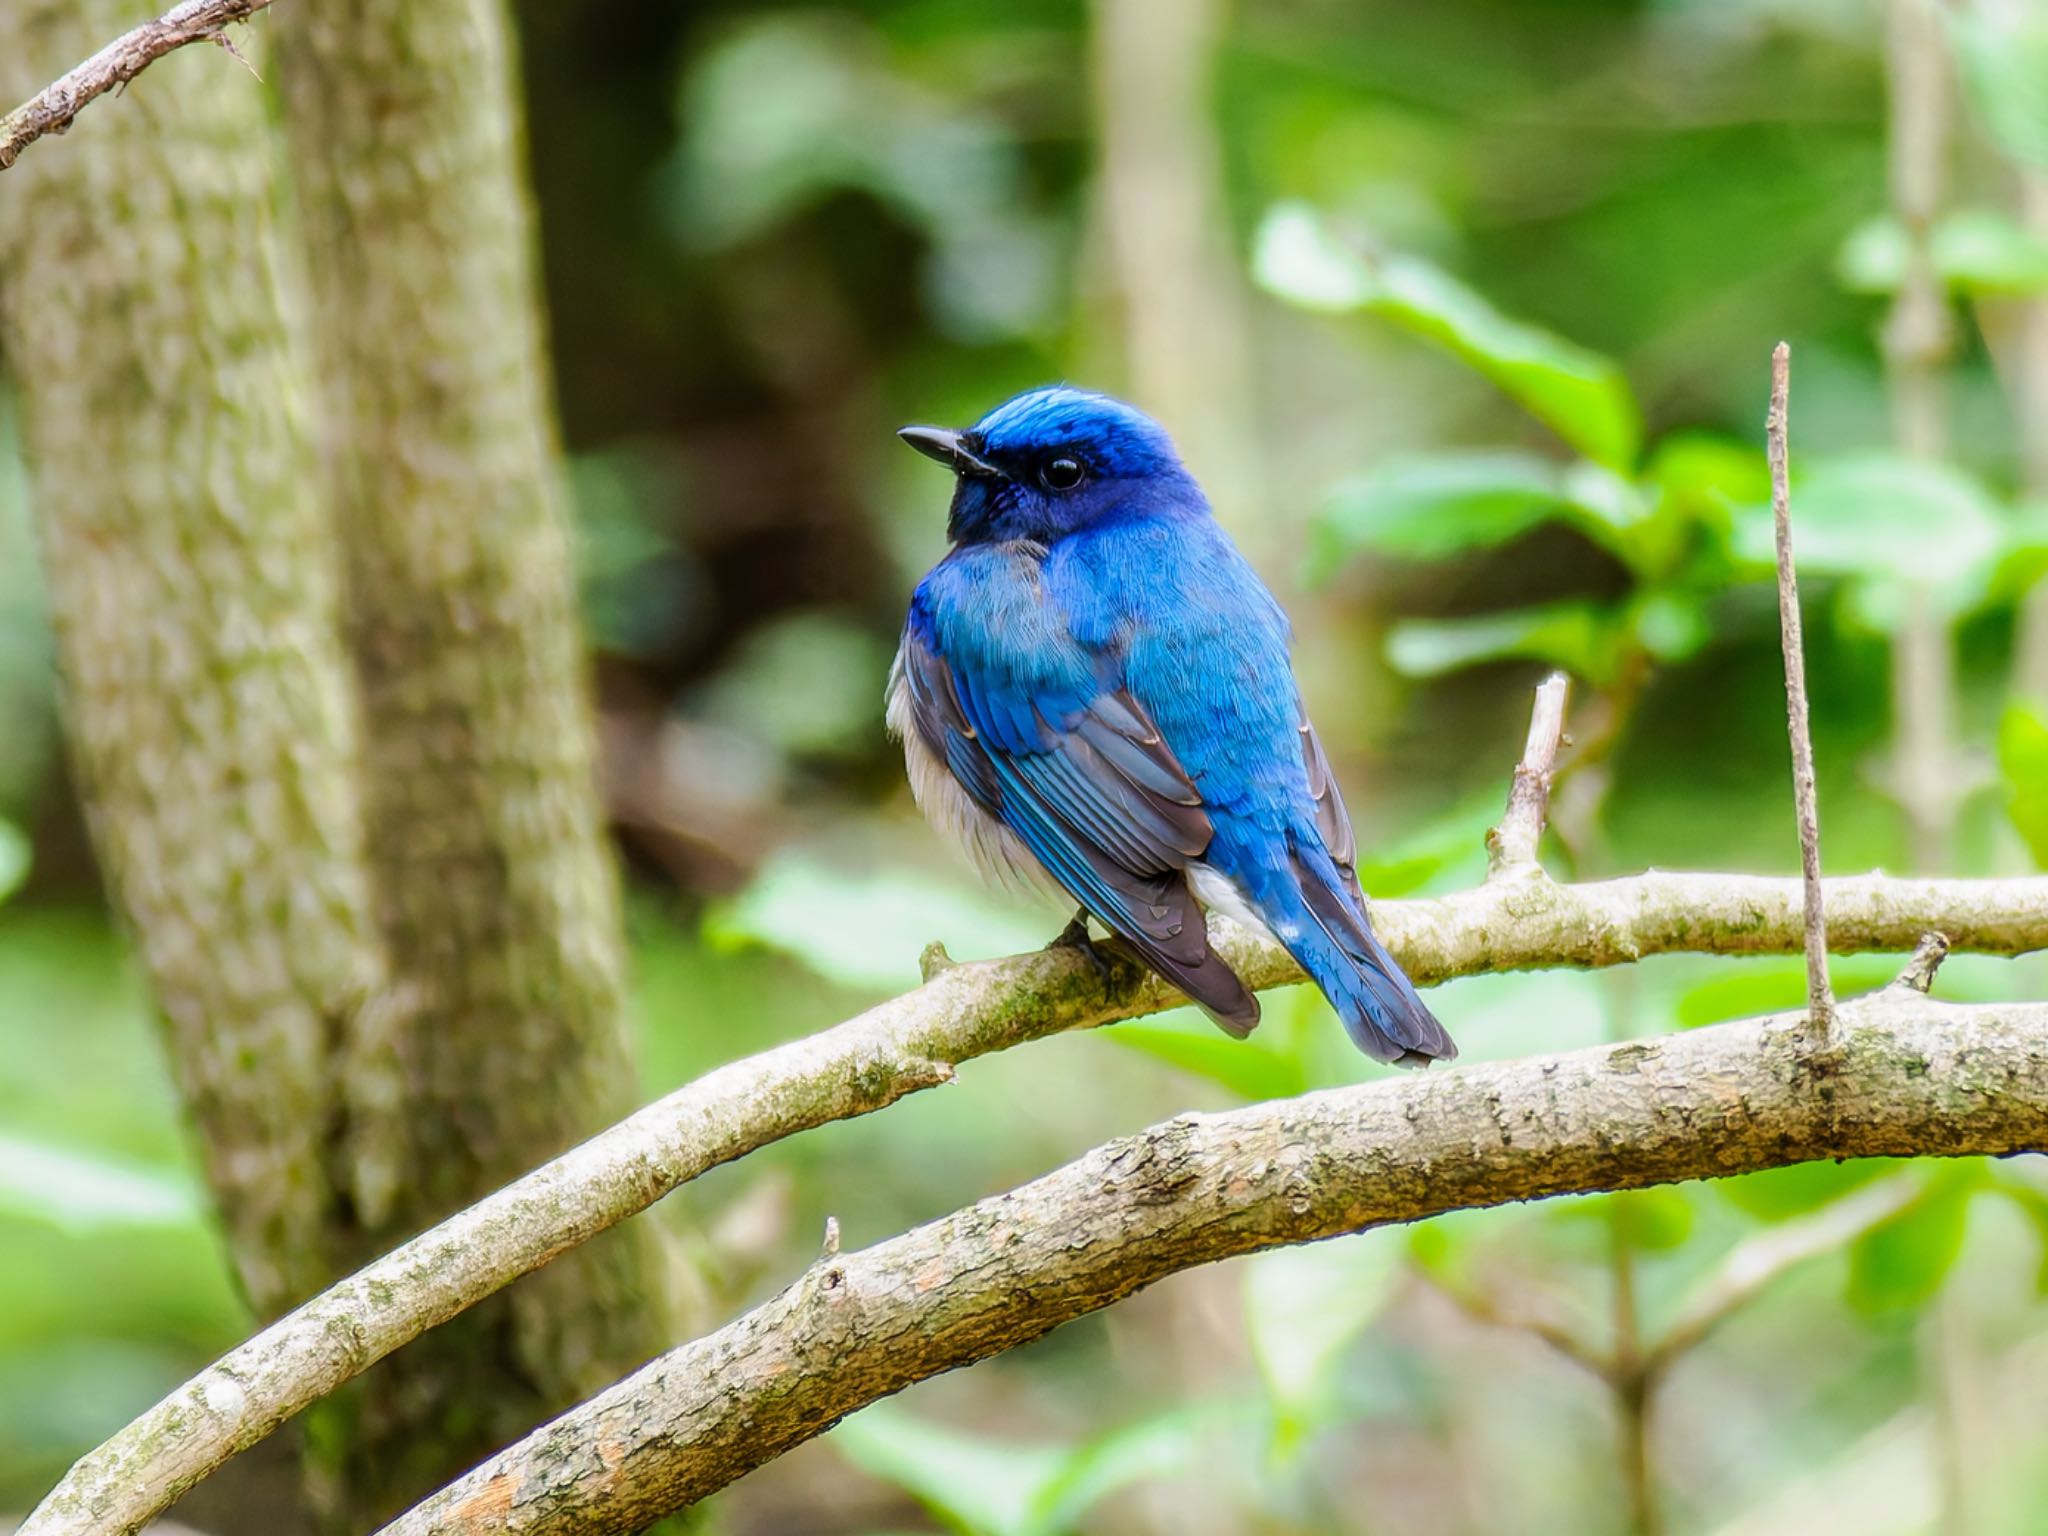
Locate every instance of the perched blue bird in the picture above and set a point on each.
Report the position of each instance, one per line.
(1094, 692)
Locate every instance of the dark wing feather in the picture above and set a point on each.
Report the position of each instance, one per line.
(1099, 798)
(1333, 822)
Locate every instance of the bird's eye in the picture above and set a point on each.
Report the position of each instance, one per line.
(1062, 473)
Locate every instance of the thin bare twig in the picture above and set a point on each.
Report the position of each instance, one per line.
(52, 109)
(1512, 845)
(1820, 997)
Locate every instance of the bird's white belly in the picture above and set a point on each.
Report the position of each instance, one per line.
(992, 848)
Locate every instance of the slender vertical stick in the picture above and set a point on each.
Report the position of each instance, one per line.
(1820, 998)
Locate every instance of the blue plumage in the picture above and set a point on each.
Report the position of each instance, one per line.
(1094, 689)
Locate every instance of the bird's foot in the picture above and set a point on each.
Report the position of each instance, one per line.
(1076, 936)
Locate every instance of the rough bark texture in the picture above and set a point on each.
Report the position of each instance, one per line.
(494, 890)
(52, 108)
(1519, 919)
(193, 593)
(1909, 1077)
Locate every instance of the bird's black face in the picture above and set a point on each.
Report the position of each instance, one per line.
(1048, 463)
(1028, 492)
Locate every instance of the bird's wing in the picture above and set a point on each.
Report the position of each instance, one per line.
(1085, 779)
(1333, 822)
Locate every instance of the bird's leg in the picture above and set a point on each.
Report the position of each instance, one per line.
(1076, 936)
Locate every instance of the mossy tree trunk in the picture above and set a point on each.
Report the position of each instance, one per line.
(338, 766)
(205, 687)
(494, 890)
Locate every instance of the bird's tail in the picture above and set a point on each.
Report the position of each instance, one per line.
(1329, 933)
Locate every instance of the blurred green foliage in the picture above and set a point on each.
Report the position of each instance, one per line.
(1511, 270)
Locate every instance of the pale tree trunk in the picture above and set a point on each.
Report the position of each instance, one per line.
(2030, 400)
(193, 593)
(1927, 777)
(1158, 210)
(495, 893)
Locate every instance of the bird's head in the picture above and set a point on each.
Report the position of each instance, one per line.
(1054, 460)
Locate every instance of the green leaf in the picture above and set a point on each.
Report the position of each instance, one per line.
(1578, 394)
(1974, 250)
(1614, 513)
(77, 1191)
(1708, 475)
(990, 1487)
(1888, 522)
(1428, 507)
(984, 1487)
(1754, 987)
(1158, 1447)
(1432, 506)
(2023, 563)
(2033, 1204)
(1252, 1069)
(2003, 51)
(2023, 759)
(1900, 1265)
(1671, 625)
(1778, 1194)
(14, 858)
(1584, 638)
(1438, 850)
(864, 926)
(1656, 1220)
(1303, 1308)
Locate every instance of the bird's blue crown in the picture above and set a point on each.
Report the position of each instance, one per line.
(1054, 460)
(1114, 440)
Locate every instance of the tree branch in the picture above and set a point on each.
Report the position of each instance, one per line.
(914, 1042)
(1916, 1077)
(52, 108)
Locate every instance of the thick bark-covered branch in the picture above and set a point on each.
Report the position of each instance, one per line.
(52, 108)
(1518, 921)
(1914, 1077)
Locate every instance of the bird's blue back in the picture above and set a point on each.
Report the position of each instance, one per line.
(1104, 673)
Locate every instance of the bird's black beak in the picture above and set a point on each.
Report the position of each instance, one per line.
(944, 445)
